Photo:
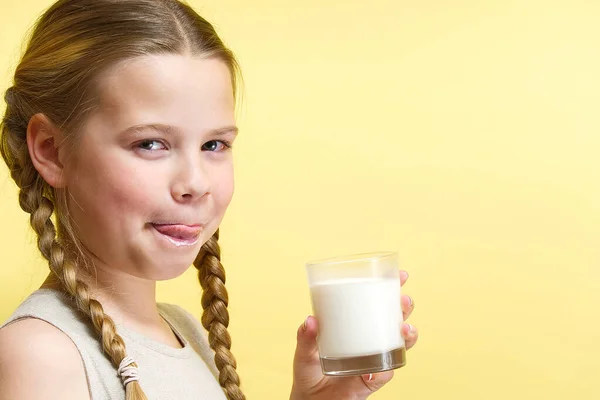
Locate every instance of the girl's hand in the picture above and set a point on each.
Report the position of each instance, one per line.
(311, 384)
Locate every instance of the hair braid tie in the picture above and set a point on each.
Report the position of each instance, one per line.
(128, 370)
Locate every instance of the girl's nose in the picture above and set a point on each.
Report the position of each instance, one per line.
(191, 182)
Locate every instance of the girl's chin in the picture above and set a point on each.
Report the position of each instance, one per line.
(166, 272)
(164, 265)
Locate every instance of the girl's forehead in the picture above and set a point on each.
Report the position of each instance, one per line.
(177, 85)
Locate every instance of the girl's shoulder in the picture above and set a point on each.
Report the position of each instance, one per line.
(38, 360)
(182, 321)
(54, 309)
(189, 327)
(175, 314)
(185, 323)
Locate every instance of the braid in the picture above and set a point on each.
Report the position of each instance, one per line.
(36, 198)
(61, 265)
(215, 318)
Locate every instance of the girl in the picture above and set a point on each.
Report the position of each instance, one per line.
(118, 133)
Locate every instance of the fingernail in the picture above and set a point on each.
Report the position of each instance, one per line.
(405, 274)
(410, 300)
(305, 324)
(370, 378)
(411, 329)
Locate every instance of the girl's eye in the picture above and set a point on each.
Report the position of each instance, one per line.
(151, 145)
(216, 145)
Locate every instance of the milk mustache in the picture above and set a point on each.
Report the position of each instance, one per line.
(357, 316)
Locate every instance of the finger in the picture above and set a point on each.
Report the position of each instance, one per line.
(306, 348)
(408, 306)
(410, 334)
(374, 382)
(403, 277)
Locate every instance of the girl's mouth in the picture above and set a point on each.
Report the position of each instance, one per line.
(179, 234)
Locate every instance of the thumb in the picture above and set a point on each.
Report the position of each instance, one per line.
(307, 351)
(374, 382)
(307, 366)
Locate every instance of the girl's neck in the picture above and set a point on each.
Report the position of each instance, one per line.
(128, 300)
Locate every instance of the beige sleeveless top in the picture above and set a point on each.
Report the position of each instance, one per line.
(166, 373)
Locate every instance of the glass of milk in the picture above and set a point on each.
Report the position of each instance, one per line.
(356, 300)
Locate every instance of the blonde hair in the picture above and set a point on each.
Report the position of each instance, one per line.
(72, 43)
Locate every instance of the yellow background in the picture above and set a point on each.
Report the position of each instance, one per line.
(462, 134)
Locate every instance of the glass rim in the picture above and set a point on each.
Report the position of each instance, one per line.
(352, 258)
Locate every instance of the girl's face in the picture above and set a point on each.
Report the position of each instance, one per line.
(151, 175)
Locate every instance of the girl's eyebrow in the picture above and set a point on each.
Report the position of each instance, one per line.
(168, 129)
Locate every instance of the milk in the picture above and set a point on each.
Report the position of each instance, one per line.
(357, 316)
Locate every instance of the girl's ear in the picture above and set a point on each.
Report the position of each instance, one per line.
(43, 139)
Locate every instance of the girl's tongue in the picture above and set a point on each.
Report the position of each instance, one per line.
(183, 232)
